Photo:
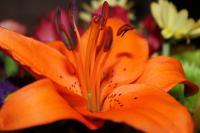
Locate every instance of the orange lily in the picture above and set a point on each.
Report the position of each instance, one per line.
(107, 76)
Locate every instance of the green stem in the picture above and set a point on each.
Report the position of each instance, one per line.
(166, 49)
(89, 94)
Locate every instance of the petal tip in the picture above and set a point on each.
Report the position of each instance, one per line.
(190, 88)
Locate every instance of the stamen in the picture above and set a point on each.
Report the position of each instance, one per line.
(68, 35)
(73, 13)
(105, 43)
(103, 47)
(104, 14)
(73, 16)
(102, 19)
(71, 38)
(108, 38)
(98, 78)
(123, 29)
(79, 61)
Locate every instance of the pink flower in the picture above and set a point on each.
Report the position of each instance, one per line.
(13, 25)
(46, 30)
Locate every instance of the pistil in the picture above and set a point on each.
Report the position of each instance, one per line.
(90, 56)
(107, 44)
(101, 58)
(97, 25)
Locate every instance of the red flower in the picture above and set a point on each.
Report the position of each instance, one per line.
(152, 33)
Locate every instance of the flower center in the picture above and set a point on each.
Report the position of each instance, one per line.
(97, 51)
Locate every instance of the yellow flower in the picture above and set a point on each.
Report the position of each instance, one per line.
(174, 23)
(96, 4)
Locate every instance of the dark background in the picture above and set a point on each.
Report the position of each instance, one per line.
(29, 12)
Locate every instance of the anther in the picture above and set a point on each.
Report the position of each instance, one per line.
(102, 18)
(104, 14)
(96, 18)
(107, 39)
(67, 35)
(123, 29)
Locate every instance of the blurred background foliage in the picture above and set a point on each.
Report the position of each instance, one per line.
(29, 12)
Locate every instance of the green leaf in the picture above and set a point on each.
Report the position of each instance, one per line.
(11, 67)
(196, 113)
(189, 56)
(191, 65)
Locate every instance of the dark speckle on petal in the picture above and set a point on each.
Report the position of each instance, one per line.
(135, 98)
(121, 105)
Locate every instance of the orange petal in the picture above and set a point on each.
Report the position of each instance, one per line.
(147, 109)
(39, 58)
(60, 46)
(128, 55)
(165, 73)
(36, 104)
